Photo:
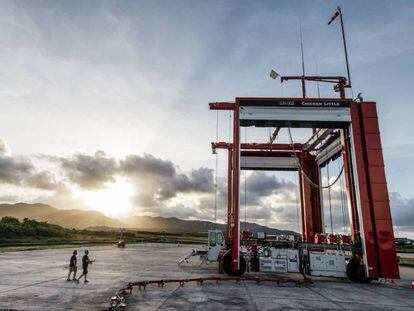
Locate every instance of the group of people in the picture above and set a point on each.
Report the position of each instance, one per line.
(73, 266)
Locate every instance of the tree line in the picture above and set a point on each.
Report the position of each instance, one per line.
(11, 227)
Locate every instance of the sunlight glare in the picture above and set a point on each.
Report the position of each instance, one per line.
(112, 201)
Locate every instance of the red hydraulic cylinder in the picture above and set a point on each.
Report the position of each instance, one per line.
(229, 196)
(350, 184)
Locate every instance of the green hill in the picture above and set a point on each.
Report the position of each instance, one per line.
(82, 219)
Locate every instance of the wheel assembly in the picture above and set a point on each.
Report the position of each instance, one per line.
(356, 272)
(228, 266)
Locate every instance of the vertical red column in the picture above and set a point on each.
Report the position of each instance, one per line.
(316, 198)
(310, 198)
(236, 185)
(375, 209)
(365, 211)
(229, 195)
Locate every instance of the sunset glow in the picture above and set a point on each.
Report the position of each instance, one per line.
(113, 201)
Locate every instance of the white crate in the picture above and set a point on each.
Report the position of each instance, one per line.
(291, 256)
(293, 260)
(328, 263)
(273, 265)
(266, 264)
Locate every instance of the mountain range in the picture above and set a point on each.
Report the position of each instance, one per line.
(81, 219)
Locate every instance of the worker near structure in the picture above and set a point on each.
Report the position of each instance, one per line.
(73, 265)
(85, 263)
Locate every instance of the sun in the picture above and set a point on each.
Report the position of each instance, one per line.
(113, 201)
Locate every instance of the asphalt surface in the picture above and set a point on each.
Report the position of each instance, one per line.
(36, 280)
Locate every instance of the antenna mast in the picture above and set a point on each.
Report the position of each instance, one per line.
(303, 61)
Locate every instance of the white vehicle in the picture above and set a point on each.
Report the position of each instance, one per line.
(216, 243)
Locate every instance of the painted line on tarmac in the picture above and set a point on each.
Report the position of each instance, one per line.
(33, 284)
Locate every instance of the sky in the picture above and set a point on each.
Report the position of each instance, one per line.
(104, 104)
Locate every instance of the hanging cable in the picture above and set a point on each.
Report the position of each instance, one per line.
(347, 224)
(329, 198)
(342, 202)
(302, 171)
(297, 202)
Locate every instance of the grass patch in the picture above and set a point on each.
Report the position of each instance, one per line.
(405, 248)
(406, 262)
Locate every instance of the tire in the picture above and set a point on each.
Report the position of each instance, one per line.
(228, 267)
(355, 271)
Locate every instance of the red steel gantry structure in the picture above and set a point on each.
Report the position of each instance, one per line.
(344, 127)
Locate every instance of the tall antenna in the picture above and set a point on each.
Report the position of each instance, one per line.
(337, 13)
(303, 61)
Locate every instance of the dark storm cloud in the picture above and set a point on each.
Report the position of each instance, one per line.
(158, 180)
(402, 211)
(21, 171)
(260, 184)
(146, 165)
(15, 170)
(90, 172)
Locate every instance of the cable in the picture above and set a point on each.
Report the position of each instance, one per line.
(329, 198)
(297, 201)
(342, 203)
(302, 171)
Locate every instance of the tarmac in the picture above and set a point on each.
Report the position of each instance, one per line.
(36, 280)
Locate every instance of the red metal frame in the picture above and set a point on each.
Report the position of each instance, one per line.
(370, 216)
(236, 186)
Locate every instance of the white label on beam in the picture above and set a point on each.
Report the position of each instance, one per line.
(337, 114)
(269, 163)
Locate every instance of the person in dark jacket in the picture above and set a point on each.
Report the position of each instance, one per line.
(85, 263)
(73, 265)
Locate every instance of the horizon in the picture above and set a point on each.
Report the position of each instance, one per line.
(107, 103)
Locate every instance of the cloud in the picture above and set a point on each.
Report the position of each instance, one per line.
(4, 148)
(89, 172)
(161, 188)
(158, 180)
(402, 212)
(22, 172)
(15, 170)
(259, 184)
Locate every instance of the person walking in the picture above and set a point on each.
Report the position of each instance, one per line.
(85, 263)
(73, 265)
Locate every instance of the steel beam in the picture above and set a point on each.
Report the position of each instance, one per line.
(316, 139)
(221, 106)
(287, 147)
(329, 152)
